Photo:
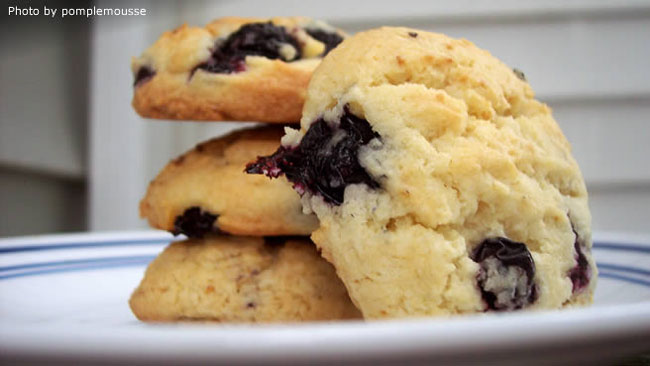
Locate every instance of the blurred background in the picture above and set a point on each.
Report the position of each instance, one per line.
(75, 157)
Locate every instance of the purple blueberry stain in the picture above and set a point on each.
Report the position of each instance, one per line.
(144, 74)
(506, 276)
(329, 39)
(254, 39)
(326, 160)
(195, 223)
(580, 274)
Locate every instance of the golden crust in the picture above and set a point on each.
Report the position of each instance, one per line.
(211, 176)
(241, 279)
(268, 91)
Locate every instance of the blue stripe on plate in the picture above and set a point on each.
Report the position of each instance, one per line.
(601, 265)
(142, 262)
(31, 248)
(616, 276)
(78, 268)
(617, 267)
(623, 247)
(118, 262)
(76, 262)
(28, 248)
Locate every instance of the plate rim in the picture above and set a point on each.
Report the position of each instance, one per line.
(360, 340)
(351, 339)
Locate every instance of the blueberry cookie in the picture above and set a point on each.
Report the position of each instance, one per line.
(207, 191)
(241, 279)
(240, 69)
(441, 184)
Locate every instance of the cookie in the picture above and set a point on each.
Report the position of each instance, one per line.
(206, 190)
(441, 184)
(239, 69)
(241, 279)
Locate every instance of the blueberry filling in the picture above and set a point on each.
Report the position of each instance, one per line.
(330, 39)
(195, 223)
(254, 39)
(507, 273)
(326, 161)
(580, 274)
(143, 75)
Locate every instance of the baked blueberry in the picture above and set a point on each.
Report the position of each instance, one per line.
(329, 39)
(195, 223)
(580, 274)
(520, 74)
(144, 74)
(254, 39)
(507, 273)
(326, 161)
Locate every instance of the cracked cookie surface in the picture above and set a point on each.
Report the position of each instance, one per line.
(239, 69)
(478, 204)
(206, 191)
(241, 279)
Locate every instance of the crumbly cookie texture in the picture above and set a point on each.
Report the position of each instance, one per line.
(441, 184)
(206, 191)
(239, 69)
(241, 279)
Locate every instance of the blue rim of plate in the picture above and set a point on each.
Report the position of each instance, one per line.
(635, 275)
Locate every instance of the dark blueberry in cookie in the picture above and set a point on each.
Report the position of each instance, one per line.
(507, 273)
(222, 65)
(255, 39)
(195, 223)
(326, 161)
(520, 74)
(330, 39)
(413, 35)
(580, 274)
(143, 75)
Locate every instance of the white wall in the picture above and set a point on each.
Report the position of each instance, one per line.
(587, 59)
(43, 119)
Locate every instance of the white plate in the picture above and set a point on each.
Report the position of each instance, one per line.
(64, 298)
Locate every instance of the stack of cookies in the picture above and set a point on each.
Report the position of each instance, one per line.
(424, 170)
(248, 257)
